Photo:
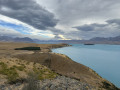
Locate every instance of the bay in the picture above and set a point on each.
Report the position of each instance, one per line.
(102, 58)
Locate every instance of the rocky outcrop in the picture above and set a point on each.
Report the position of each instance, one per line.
(59, 83)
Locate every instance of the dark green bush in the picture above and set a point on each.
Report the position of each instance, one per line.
(107, 86)
(28, 48)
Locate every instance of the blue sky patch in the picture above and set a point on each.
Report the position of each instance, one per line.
(19, 28)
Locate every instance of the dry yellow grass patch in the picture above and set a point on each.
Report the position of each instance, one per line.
(14, 69)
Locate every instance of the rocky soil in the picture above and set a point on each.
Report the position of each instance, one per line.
(59, 83)
(64, 83)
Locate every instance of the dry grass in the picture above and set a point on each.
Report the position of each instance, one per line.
(31, 82)
(11, 72)
(14, 69)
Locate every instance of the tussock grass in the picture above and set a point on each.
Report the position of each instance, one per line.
(16, 70)
(20, 68)
(31, 82)
(11, 72)
(44, 73)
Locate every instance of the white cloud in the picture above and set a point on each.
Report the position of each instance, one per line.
(13, 33)
(63, 38)
(31, 30)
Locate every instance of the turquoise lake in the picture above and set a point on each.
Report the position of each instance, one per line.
(102, 58)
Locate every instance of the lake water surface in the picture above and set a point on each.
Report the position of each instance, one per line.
(104, 59)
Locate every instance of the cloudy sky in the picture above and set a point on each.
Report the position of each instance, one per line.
(60, 19)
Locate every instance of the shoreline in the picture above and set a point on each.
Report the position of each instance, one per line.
(59, 63)
(63, 55)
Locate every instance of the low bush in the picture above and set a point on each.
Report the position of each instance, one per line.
(20, 68)
(28, 48)
(32, 83)
(11, 72)
(44, 73)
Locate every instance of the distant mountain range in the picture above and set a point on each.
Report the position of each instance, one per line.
(102, 40)
(16, 39)
(117, 38)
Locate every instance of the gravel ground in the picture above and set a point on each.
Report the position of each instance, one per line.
(59, 83)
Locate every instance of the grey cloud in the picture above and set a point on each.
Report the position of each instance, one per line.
(116, 21)
(55, 30)
(70, 11)
(28, 11)
(98, 25)
(57, 37)
(74, 12)
(90, 27)
(88, 35)
(98, 30)
(85, 28)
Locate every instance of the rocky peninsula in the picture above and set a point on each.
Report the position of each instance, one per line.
(45, 70)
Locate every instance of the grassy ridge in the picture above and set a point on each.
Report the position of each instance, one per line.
(14, 70)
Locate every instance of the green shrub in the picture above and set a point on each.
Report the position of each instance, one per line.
(27, 63)
(107, 86)
(20, 68)
(12, 75)
(11, 72)
(44, 73)
(3, 65)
